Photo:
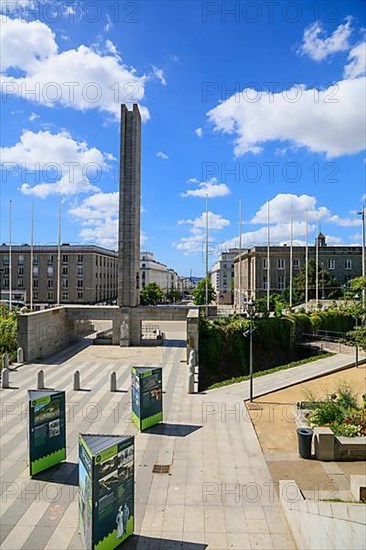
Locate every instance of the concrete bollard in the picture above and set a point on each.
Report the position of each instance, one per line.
(190, 387)
(5, 379)
(76, 383)
(40, 380)
(192, 357)
(113, 382)
(5, 361)
(20, 355)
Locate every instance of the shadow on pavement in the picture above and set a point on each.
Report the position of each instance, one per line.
(171, 343)
(65, 473)
(176, 430)
(151, 543)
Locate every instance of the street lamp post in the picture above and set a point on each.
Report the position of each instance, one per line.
(250, 307)
(356, 299)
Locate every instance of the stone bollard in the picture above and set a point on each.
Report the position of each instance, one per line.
(192, 357)
(40, 380)
(76, 380)
(5, 379)
(190, 387)
(20, 355)
(113, 382)
(5, 361)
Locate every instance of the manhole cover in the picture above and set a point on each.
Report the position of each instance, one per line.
(161, 469)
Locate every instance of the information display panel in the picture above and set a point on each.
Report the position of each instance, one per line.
(146, 396)
(46, 429)
(106, 490)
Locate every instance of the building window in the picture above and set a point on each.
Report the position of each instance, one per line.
(64, 271)
(20, 259)
(20, 270)
(281, 282)
(50, 271)
(80, 295)
(35, 294)
(6, 283)
(281, 263)
(264, 263)
(20, 283)
(65, 296)
(6, 260)
(80, 283)
(50, 259)
(296, 263)
(35, 283)
(65, 258)
(35, 259)
(35, 271)
(331, 263)
(65, 283)
(80, 258)
(50, 295)
(143, 265)
(265, 282)
(50, 283)
(80, 272)
(348, 263)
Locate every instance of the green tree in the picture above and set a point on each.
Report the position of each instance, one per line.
(199, 293)
(326, 281)
(8, 332)
(174, 295)
(151, 295)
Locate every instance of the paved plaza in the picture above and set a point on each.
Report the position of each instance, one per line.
(218, 494)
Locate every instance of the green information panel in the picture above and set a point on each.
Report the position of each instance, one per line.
(147, 396)
(106, 490)
(46, 429)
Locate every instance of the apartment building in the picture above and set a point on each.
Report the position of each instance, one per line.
(153, 271)
(79, 274)
(342, 262)
(222, 276)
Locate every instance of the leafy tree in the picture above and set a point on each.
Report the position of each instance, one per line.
(357, 337)
(199, 293)
(151, 295)
(8, 332)
(332, 288)
(174, 295)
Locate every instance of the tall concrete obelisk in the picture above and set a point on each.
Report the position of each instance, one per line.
(129, 209)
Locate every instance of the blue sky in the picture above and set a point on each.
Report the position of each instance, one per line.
(265, 103)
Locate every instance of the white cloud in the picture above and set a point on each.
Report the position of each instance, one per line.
(329, 121)
(162, 155)
(81, 78)
(317, 46)
(210, 188)
(33, 116)
(195, 241)
(98, 216)
(159, 74)
(357, 62)
(198, 132)
(63, 165)
(109, 25)
(280, 211)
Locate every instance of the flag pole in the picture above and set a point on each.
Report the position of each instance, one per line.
(268, 256)
(31, 259)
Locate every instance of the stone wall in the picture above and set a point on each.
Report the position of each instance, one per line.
(322, 525)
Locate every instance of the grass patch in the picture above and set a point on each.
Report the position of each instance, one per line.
(270, 371)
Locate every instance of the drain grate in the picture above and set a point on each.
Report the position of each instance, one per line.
(161, 469)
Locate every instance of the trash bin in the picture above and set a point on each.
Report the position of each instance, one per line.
(304, 437)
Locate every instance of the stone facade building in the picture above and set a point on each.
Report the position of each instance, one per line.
(342, 262)
(88, 274)
(222, 276)
(153, 271)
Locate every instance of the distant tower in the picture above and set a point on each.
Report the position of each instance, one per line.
(129, 208)
(321, 240)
